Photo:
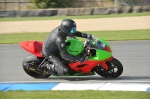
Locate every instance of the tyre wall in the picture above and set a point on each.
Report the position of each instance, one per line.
(73, 11)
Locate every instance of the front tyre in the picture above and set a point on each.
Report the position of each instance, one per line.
(115, 69)
(34, 61)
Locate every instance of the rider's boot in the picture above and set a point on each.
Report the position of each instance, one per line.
(51, 68)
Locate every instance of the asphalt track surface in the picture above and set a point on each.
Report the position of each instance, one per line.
(134, 55)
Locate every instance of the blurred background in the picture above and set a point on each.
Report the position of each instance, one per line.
(114, 6)
(6, 5)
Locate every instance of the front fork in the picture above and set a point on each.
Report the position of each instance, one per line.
(104, 65)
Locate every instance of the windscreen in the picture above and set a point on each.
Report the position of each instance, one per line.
(95, 43)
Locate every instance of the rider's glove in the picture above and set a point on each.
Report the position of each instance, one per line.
(80, 58)
(89, 36)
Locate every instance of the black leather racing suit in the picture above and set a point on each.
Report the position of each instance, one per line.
(54, 44)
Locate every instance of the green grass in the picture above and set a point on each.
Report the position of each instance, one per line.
(108, 35)
(88, 94)
(74, 17)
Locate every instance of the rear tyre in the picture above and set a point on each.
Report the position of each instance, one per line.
(34, 61)
(115, 69)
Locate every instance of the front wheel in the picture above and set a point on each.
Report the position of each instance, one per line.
(34, 61)
(115, 69)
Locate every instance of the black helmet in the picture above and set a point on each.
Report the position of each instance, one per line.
(68, 26)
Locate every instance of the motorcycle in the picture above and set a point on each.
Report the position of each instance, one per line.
(97, 54)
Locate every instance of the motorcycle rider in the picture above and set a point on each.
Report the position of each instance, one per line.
(55, 43)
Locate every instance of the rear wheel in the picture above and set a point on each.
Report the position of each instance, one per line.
(115, 69)
(33, 61)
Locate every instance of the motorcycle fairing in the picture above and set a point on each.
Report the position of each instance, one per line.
(33, 47)
(101, 55)
(88, 65)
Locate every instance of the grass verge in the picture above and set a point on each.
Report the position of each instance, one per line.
(107, 35)
(74, 17)
(88, 94)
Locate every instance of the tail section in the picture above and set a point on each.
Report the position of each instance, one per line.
(33, 47)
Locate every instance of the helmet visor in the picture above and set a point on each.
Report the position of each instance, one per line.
(73, 30)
